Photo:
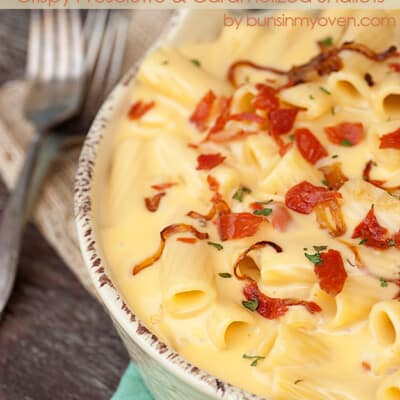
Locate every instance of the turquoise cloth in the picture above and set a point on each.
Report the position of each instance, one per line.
(131, 387)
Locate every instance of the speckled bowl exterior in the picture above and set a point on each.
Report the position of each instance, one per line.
(165, 372)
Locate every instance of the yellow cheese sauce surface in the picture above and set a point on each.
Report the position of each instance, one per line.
(190, 297)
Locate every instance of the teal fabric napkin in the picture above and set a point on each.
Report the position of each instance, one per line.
(131, 386)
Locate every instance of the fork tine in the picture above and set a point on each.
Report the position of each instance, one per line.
(93, 35)
(62, 45)
(119, 52)
(98, 87)
(33, 62)
(77, 44)
(100, 70)
(49, 61)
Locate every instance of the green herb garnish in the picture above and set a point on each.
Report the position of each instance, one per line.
(391, 243)
(318, 249)
(384, 282)
(328, 41)
(291, 137)
(225, 275)
(335, 156)
(363, 241)
(264, 212)
(353, 265)
(346, 143)
(325, 90)
(255, 359)
(218, 246)
(325, 182)
(311, 97)
(316, 258)
(196, 62)
(239, 194)
(251, 305)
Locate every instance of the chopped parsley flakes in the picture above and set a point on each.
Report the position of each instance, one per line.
(384, 282)
(264, 212)
(196, 62)
(255, 359)
(325, 90)
(251, 305)
(218, 246)
(225, 275)
(363, 241)
(346, 143)
(327, 42)
(239, 194)
(316, 258)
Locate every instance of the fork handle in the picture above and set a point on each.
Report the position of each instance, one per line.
(14, 218)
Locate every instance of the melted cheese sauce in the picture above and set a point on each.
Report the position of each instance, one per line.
(326, 355)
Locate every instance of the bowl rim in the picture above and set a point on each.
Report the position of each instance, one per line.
(96, 265)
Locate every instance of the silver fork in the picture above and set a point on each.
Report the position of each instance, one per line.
(54, 73)
(104, 35)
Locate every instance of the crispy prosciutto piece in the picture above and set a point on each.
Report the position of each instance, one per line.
(273, 308)
(346, 133)
(163, 186)
(281, 121)
(138, 109)
(334, 176)
(280, 218)
(283, 146)
(209, 161)
(391, 140)
(213, 184)
(247, 117)
(266, 98)
(224, 137)
(309, 146)
(370, 230)
(203, 110)
(396, 239)
(152, 203)
(304, 196)
(255, 246)
(331, 272)
(223, 117)
(164, 235)
(238, 225)
(395, 67)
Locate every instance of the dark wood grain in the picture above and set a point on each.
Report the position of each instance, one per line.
(56, 342)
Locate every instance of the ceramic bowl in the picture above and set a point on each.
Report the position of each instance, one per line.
(165, 372)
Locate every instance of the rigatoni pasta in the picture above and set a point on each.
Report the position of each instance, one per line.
(252, 209)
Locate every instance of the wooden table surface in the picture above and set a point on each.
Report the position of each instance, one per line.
(56, 342)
